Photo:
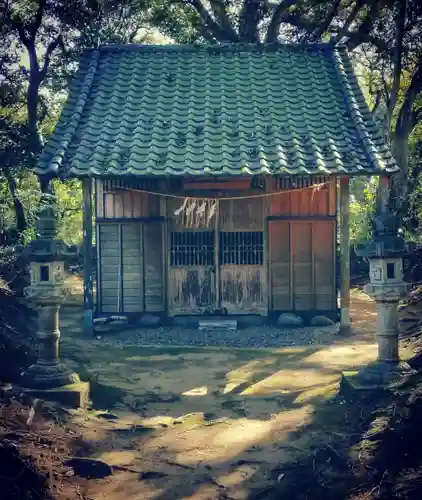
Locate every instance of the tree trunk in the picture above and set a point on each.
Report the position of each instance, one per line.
(32, 105)
(21, 223)
(392, 194)
(399, 181)
(45, 184)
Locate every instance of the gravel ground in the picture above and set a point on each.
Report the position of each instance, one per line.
(264, 336)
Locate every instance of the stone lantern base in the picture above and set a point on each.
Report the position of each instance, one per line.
(56, 382)
(49, 378)
(73, 395)
(43, 375)
(378, 375)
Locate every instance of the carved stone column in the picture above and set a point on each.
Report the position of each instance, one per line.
(387, 369)
(48, 372)
(386, 287)
(48, 377)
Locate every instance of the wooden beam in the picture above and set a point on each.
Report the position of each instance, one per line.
(87, 246)
(344, 196)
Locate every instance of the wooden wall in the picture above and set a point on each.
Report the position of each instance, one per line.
(303, 202)
(299, 239)
(124, 203)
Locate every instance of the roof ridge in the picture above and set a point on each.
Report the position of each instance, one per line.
(57, 160)
(223, 47)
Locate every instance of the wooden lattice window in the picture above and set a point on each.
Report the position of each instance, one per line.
(147, 184)
(257, 183)
(192, 248)
(242, 248)
(300, 182)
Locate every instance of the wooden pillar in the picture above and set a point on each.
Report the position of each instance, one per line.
(217, 257)
(344, 254)
(88, 254)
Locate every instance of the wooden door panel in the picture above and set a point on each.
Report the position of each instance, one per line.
(324, 265)
(191, 290)
(243, 289)
(153, 267)
(109, 263)
(280, 286)
(302, 266)
(132, 257)
(191, 287)
(279, 242)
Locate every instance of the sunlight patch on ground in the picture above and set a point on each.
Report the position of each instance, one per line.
(341, 357)
(198, 391)
(290, 350)
(157, 420)
(249, 369)
(152, 359)
(324, 392)
(224, 441)
(122, 458)
(235, 478)
(287, 380)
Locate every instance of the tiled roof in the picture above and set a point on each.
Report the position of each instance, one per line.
(218, 110)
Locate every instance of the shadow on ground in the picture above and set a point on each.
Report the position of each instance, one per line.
(197, 423)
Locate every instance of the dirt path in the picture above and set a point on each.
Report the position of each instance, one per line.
(205, 423)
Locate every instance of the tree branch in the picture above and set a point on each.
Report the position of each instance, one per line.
(408, 117)
(250, 15)
(206, 34)
(276, 20)
(380, 44)
(21, 222)
(349, 20)
(322, 28)
(21, 32)
(397, 55)
(44, 112)
(38, 17)
(300, 22)
(52, 46)
(377, 102)
(360, 34)
(208, 22)
(416, 118)
(221, 15)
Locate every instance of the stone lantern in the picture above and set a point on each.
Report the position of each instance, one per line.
(385, 254)
(47, 291)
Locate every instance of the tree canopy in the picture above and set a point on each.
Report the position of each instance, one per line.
(40, 43)
(41, 39)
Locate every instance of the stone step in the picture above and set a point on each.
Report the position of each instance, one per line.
(216, 324)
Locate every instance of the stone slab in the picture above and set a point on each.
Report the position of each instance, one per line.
(73, 395)
(351, 382)
(217, 324)
(354, 381)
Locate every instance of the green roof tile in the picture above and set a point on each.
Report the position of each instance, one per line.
(220, 110)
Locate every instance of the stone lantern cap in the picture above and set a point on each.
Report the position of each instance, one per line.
(386, 242)
(47, 247)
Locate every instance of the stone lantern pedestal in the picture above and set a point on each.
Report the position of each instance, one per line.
(49, 378)
(385, 254)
